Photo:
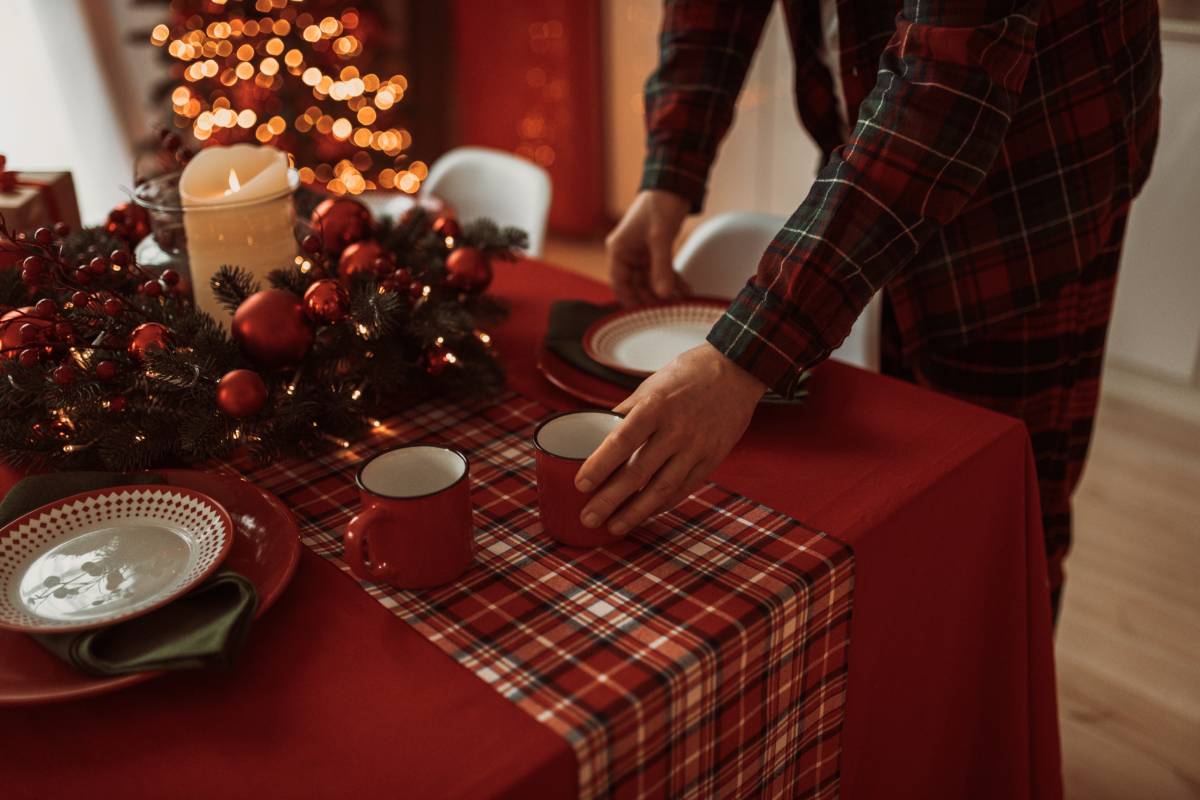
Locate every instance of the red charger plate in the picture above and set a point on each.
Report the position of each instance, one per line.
(266, 549)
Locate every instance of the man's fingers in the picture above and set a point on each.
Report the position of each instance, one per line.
(617, 447)
(664, 486)
(632, 476)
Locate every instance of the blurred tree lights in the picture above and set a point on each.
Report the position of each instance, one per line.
(300, 75)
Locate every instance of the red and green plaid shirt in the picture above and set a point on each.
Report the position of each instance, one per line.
(994, 144)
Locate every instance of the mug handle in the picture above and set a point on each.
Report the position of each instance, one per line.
(353, 542)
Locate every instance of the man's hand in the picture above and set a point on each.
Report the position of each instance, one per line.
(681, 423)
(639, 249)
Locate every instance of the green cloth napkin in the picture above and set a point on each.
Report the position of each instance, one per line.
(206, 627)
(569, 321)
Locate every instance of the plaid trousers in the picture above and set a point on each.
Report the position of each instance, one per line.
(1042, 367)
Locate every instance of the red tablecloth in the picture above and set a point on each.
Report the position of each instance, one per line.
(951, 685)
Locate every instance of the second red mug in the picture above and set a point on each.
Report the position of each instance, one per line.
(415, 527)
(561, 444)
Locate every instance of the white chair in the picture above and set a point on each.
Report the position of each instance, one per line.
(723, 252)
(479, 182)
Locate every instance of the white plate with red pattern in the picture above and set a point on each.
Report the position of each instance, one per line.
(641, 341)
(107, 555)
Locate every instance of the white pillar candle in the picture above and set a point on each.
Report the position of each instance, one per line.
(237, 210)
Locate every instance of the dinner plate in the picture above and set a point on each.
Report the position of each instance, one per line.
(265, 549)
(641, 341)
(107, 555)
(599, 392)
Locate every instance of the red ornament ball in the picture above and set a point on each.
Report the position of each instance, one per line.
(468, 270)
(446, 225)
(63, 375)
(146, 337)
(241, 393)
(106, 370)
(271, 328)
(130, 222)
(326, 302)
(339, 221)
(16, 325)
(116, 404)
(366, 257)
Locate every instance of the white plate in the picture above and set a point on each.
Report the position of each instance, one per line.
(107, 555)
(641, 341)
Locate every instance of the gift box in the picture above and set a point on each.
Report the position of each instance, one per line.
(30, 200)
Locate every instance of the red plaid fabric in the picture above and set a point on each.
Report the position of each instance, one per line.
(705, 656)
(994, 142)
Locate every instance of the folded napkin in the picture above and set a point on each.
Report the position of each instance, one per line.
(206, 627)
(569, 321)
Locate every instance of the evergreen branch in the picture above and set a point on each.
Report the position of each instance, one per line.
(232, 285)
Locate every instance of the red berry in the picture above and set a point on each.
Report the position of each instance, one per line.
(61, 229)
(33, 264)
(113, 307)
(43, 236)
(29, 357)
(152, 288)
(63, 375)
(106, 370)
(80, 298)
(83, 276)
(63, 330)
(45, 308)
(98, 265)
(311, 243)
(119, 257)
(170, 277)
(29, 332)
(30, 277)
(116, 403)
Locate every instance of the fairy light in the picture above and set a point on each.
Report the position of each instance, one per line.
(274, 54)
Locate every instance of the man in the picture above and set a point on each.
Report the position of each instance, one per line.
(980, 162)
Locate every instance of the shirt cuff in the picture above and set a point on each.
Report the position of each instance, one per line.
(772, 340)
(678, 171)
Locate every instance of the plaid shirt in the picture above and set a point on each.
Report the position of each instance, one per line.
(996, 142)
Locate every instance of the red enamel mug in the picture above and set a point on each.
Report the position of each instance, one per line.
(415, 527)
(561, 444)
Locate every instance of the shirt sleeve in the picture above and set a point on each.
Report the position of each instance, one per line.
(705, 49)
(948, 85)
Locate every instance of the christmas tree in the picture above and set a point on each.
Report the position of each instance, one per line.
(301, 75)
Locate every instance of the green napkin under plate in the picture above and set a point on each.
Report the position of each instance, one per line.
(206, 627)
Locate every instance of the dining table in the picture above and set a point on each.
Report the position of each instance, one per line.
(910, 522)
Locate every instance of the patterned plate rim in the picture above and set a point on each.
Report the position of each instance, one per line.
(227, 532)
(600, 326)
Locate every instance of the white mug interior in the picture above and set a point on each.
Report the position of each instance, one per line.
(577, 435)
(413, 471)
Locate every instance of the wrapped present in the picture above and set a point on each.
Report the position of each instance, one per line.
(31, 199)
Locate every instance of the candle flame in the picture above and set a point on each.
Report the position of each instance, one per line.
(234, 183)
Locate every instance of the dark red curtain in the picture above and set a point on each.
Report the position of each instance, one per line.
(528, 81)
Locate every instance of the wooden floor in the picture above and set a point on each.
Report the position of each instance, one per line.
(1129, 636)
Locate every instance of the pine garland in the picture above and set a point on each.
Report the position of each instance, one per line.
(396, 346)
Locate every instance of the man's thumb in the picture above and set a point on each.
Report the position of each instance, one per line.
(662, 274)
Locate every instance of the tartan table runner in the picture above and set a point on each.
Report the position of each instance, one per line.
(703, 656)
